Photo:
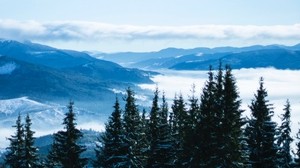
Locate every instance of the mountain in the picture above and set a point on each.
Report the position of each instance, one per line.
(168, 57)
(45, 73)
(277, 58)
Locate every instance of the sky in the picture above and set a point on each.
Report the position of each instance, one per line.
(148, 25)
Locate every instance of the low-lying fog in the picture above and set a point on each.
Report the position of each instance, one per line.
(280, 84)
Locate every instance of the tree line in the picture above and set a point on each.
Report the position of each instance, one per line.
(209, 131)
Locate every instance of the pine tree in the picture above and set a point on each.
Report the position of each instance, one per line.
(153, 128)
(65, 149)
(180, 126)
(162, 150)
(111, 152)
(31, 157)
(190, 135)
(133, 134)
(284, 139)
(231, 123)
(261, 131)
(206, 139)
(15, 155)
(297, 153)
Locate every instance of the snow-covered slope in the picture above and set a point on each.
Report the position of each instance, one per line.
(46, 118)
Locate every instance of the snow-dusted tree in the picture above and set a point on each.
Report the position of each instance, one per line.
(162, 153)
(180, 127)
(231, 123)
(285, 139)
(15, 152)
(206, 137)
(297, 153)
(133, 132)
(110, 151)
(30, 155)
(66, 152)
(261, 131)
(153, 128)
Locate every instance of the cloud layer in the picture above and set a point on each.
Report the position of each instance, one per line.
(95, 31)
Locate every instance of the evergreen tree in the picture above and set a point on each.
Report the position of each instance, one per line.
(65, 149)
(133, 134)
(192, 121)
(206, 138)
(231, 123)
(31, 157)
(111, 153)
(180, 127)
(15, 152)
(153, 128)
(284, 139)
(261, 131)
(162, 150)
(297, 153)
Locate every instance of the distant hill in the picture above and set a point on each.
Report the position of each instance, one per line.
(276, 58)
(45, 73)
(201, 58)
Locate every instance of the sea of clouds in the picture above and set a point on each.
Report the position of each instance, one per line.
(280, 85)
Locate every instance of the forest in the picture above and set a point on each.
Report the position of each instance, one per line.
(206, 131)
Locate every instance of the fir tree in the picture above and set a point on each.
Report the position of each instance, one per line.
(133, 135)
(31, 157)
(153, 128)
(180, 126)
(206, 139)
(297, 153)
(284, 139)
(162, 150)
(15, 155)
(231, 123)
(65, 149)
(261, 131)
(111, 152)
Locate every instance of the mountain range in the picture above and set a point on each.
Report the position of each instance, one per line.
(257, 56)
(44, 73)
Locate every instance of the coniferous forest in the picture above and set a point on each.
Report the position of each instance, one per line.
(206, 131)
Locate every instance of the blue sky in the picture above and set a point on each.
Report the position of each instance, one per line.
(140, 25)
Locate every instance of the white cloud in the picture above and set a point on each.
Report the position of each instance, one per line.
(96, 31)
(280, 85)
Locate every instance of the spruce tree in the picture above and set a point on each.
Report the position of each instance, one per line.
(297, 153)
(153, 128)
(65, 149)
(231, 123)
(190, 135)
(15, 152)
(111, 152)
(261, 131)
(31, 156)
(180, 126)
(162, 150)
(206, 135)
(133, 132)
(285, 139)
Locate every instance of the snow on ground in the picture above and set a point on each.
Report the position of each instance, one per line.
(7, 68)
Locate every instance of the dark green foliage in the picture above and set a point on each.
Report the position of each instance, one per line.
(206, 127)
(297, 153)
(261, 131)
(110, 151)
(231, 123)
(162, 151)
(31, 157)
(15, 155)
(65, 150)
(133, 135)
(285, 139)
